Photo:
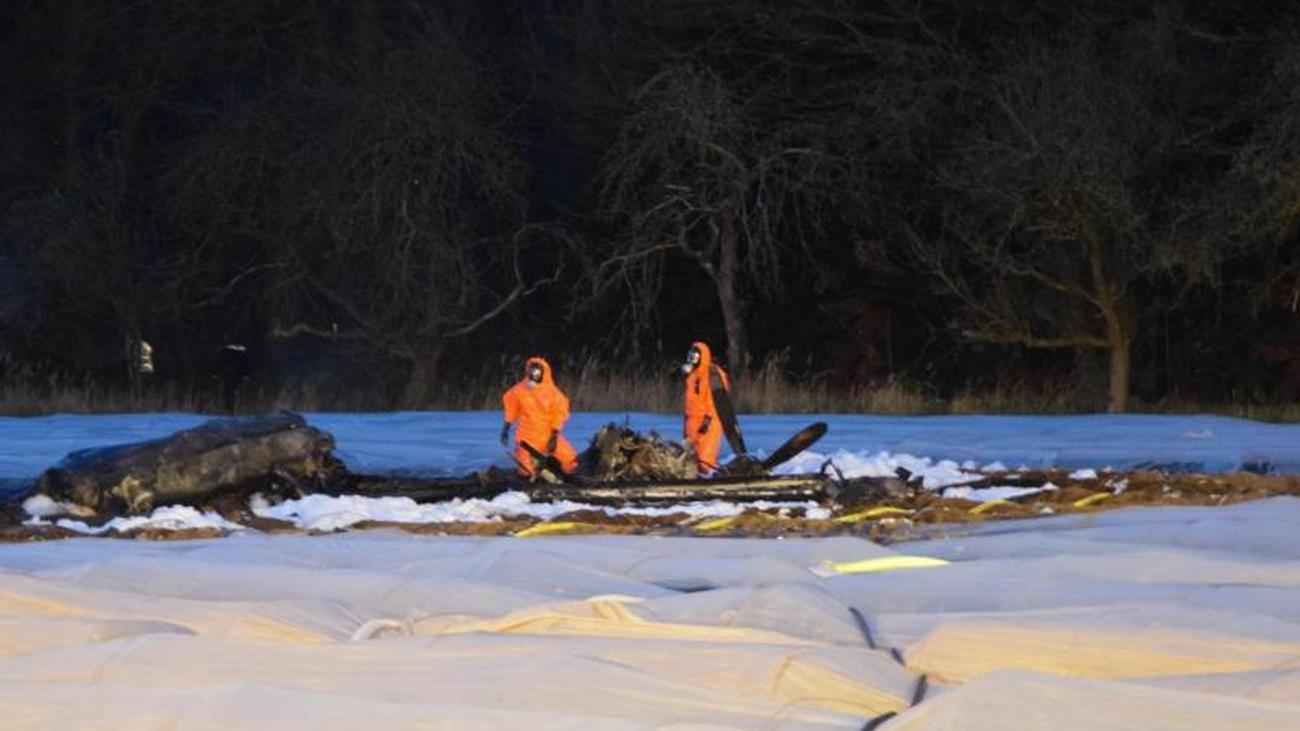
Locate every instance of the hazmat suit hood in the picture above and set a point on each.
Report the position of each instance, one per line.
(546, 370)
(706, 358)
(699, 381)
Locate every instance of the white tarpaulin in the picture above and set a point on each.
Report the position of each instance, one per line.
(1159, 618)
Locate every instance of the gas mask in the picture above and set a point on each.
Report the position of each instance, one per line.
(692, 360)
(534, 373)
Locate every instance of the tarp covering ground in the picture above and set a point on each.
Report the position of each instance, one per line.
(440, 443)
(1154, 618)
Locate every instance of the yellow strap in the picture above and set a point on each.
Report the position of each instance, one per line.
(988, 505)
(869, 514)
(561, 526)
(715, 524)
(727, 522)
(1092, 499)
(884, 563)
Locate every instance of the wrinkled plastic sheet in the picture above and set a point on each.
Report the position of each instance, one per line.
(1159, 618)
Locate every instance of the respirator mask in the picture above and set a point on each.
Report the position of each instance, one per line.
(692, 360)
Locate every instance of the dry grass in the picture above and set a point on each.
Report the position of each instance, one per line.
(88, 397)
(593, 387)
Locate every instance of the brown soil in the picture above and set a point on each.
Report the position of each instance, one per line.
(924, 515)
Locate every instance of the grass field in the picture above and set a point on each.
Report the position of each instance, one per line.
(593, 387)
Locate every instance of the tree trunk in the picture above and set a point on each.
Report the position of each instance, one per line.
(365, 32)
(733, 307)
(1121, 322)
(423, 380)
(1120, 371)
(1117, 312)
(71, 82)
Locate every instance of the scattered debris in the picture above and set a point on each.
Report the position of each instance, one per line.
(276, 452)
(618, 453)
(247, 473)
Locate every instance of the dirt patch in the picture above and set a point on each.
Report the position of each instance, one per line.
(266, 525)
(184, 534)
(889, 518)
(18, 533)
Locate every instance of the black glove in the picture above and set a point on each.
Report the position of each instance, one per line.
(553, 441)
(505, 433)
(704, 425)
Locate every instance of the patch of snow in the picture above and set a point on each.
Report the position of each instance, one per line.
(327, 513)
(43, 506)
(40, 506)
(997, 492)
(1084, 474)
(172, 517)
(257, 501)
(934, 475)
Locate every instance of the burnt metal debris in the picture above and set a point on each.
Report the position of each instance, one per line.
(280, 455)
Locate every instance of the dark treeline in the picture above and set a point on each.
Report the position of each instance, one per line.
(396, 196)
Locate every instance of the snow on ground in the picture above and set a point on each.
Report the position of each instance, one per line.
(934, 474)
(170, 517)
(40, 508)
(997, 492)
(1155, 618)
(324, 513)
(329, 513)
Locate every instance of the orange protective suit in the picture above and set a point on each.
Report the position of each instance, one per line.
(538, 410)
(699, 408)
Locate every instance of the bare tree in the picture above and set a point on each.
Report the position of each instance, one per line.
(83, 226)
(1081, 180)
(1269, 164)
(745, 122)
(697, 173)
(385, 200)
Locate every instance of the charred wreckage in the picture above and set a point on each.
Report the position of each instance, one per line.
(281, 456)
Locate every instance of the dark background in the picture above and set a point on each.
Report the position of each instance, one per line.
(391, 201)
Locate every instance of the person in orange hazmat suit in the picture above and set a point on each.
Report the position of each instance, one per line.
(539, 409)
(702, 428)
